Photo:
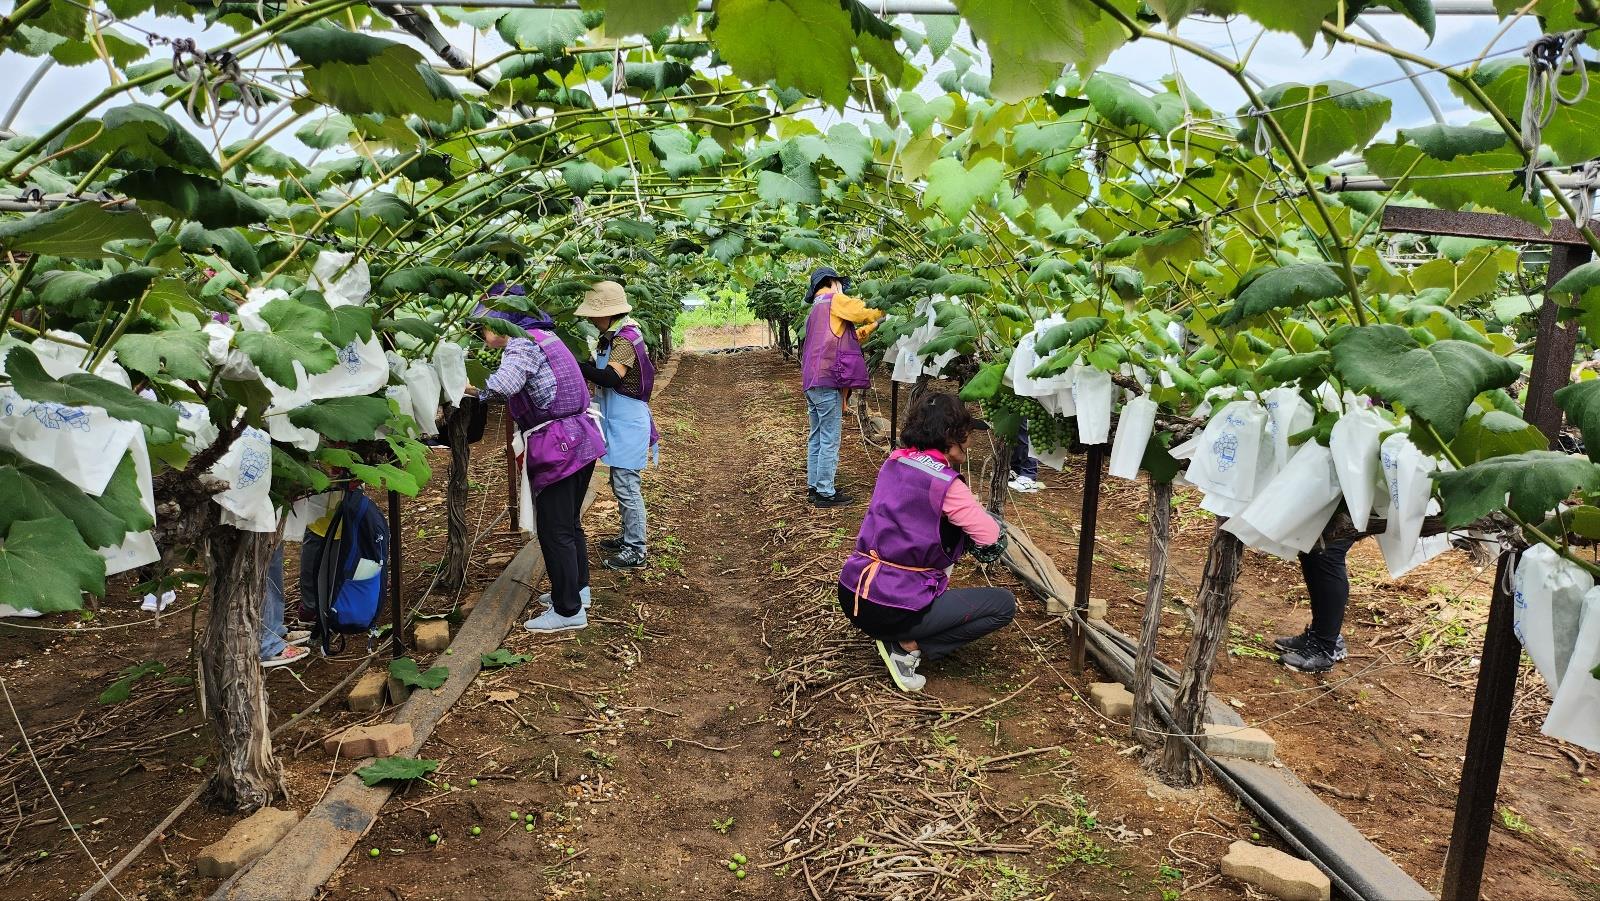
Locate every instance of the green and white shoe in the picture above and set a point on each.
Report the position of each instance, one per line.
(902, 667)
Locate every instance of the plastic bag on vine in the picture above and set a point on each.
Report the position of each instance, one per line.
(1549, 596)
(306, 511)
(519, 452)
(450, 359)
(907, 365)
(423, 382)
(247, 471)
(1406, 473)
(1134, 426)
(1225, 460)
(334, 274)
(136, 548)
(1290, 511)
(1575, 715)
(401, 395)
(83, 444)
(1354, 443)
(60, 359)
(1091, 394)
(1288, 414)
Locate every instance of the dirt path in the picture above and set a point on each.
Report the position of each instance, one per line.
(719, 704)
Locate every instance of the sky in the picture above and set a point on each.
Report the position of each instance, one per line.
(1276, 58)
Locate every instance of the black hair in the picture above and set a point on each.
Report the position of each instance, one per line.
(936, 422)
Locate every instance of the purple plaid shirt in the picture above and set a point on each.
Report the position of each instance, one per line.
(523, 367)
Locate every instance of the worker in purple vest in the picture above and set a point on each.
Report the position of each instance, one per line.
(623, 372)
(545, 394)
(896, 583)
(830, 365)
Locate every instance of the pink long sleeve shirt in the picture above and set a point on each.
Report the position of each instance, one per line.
(961, 507)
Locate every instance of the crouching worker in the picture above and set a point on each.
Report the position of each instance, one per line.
(545, 394)
(921, 518)
(625, 376)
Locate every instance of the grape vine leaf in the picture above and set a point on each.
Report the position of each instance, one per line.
(1303, 18)
(1125, 106)
(548, 31)
(920, 114)
(954, 188)
(802, 44)
(45, 566)
(1323, 120)
(439, 281)
(81, 389)
(1435, 383)
(625, 17)
(1581, 401)
(1496, 434)
(1068, 333)
(196, 197)
(359, 73)
(29, 490)
(405, 669)
(78, 230)
(295, 337)
(1435, 156)
(395, 769)
(178, 351)
(139, 136)
(1280, 287)
(67, 286)
(1535, 480)
(501, 657)
(1030, 43)
(1574, 134)
(343, 418)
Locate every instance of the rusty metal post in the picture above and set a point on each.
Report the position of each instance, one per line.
(397, 647)
(1553, 346)
(1084, 577)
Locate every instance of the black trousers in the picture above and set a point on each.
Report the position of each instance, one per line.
(958, 617)
(557, 514)
(1328, 584)
(1021, 463)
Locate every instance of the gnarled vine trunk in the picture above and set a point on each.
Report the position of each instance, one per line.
(999, 476)
(248, 775)
(1178, 765)
(454, 573)
(1146, 725)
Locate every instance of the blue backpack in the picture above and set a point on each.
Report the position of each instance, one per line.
(342, 586)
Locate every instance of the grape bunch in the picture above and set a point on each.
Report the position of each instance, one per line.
(1046, 431)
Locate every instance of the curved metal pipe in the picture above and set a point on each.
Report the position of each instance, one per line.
(1410, 73)
(27, 89)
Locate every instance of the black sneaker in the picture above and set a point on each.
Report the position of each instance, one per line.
(836, 499)
(624, 560)
(1288, 643)
(610, 545)
(1315, 657)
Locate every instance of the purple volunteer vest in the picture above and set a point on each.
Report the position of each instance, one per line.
(829, 360)
(900, 558)
(561, 438)
(641, 356)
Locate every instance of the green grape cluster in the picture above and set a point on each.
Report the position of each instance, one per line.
(488, 356)
(770, 301)
(1046, 431)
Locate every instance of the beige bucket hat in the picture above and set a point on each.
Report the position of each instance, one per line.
(605, 299)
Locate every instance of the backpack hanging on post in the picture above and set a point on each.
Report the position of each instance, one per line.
(342, 587)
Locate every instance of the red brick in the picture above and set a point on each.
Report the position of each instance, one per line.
(358, 742)
(248, 839)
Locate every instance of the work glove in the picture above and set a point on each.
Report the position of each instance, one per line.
(989, 553)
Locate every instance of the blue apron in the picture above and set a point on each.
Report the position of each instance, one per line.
(626, 424)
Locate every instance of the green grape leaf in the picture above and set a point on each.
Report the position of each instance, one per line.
(1030, 43)
(30, 491)
(139, 136)
(1281, 287)
(405, 669)
(199, 198)
(1322, 120)
(800, 44)
(1068, 333)
(395, 769)
(1535, 480)
(179, 351)
(1292, 367)
(1581, 401)
(78, 230)
(1122, 104)
(954, 188)
(438, 281)
(45, 566)
(122, 688)
(849, 149)
(68, 286)
(343, 418)
(548, 31)
(1435, 383)
(1303, 18)
(581, 176)
(1574, 133)
(984, 384)
(1582, 521)
(1496, 434)
(359, 73)
(501, 657)
(625, 17)
(1432, 154)
(920, 114)
(296, 336)
(80, 389)
(290, 474)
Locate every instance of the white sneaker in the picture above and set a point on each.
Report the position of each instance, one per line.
(1025, 485)
(151, 605)
(902, 667)
(551, 621)
(547, 603)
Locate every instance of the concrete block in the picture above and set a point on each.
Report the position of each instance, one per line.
(433, 635)
(1276, 873)
(398, 691)
(1111, 698)
(1097, 609)
(1237, 741)
(248, 839)
(367, 696)
(382, 740)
